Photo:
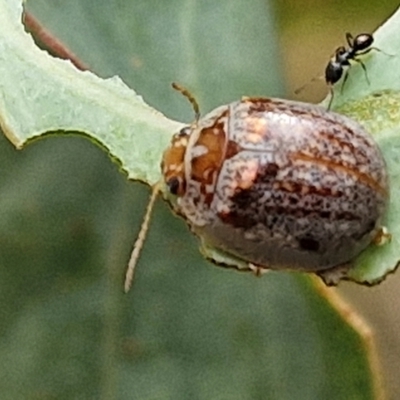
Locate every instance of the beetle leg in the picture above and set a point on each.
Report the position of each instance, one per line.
(382, 237)
(257, 270)
(334, 275)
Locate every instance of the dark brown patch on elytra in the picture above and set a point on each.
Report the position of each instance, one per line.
(259, 104)
(309, 244)
(300, 188)
(232, 148)
(236, 219)
(287, 200)
(245, 199)
(270, 170)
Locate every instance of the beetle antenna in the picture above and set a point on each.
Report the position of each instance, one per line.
(137, 247)
(190, 97)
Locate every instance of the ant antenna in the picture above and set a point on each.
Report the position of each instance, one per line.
(191, 99)
(301, 88)
(137, 247)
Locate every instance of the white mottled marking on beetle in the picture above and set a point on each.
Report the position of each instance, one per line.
(199, 150)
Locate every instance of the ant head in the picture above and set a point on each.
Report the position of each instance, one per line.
(340, 51)
(362, 41)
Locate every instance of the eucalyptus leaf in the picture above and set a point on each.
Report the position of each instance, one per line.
(186, 330)
(35, 84)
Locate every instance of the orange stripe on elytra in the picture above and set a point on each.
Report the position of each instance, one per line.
(364, 178)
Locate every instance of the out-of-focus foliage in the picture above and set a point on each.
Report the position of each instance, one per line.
(187, 330)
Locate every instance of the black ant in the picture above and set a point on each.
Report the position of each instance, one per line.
(358, 46)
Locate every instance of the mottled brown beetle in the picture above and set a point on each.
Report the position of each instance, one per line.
(278, 184)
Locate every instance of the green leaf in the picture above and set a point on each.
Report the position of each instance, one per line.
(119, 120)
(187, 330)
(35, 84)
(379, 113)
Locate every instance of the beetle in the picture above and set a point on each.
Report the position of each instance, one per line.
(276, 184)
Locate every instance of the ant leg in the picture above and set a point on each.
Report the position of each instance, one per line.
(364, 68)
(301, 88)
(366, 51)
(350, 39)
(331, 98)
(376, 49)
(346, 75)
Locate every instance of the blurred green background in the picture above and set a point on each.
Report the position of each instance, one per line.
(68, 218)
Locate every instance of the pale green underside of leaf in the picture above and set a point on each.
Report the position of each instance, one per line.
(41, 94)
(380, 115)
(186, 329)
